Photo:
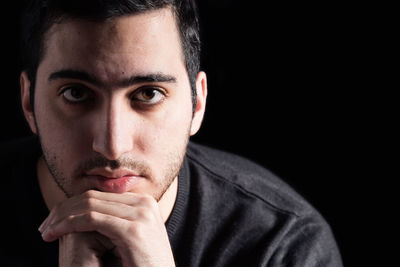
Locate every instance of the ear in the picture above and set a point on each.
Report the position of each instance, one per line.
(25, 85)
(201, 89)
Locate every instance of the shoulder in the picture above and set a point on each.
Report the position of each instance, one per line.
(261, 209)
(249, 178)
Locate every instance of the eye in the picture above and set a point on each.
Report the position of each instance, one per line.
(149, 95)
(76, 94)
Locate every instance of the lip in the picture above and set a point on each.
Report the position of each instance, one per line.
(111, 174)
(117, 181)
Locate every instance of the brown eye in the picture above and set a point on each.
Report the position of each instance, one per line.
(148, 95)
(76, 94)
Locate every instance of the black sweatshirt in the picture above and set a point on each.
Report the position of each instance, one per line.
(228, 212)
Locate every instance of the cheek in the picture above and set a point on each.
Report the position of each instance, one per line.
(59, 134)
(168, 131)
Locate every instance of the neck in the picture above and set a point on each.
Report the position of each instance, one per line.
(167, 202)
(53, 195)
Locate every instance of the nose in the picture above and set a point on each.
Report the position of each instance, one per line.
(112, 131)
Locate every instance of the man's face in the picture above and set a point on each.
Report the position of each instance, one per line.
(113, 104)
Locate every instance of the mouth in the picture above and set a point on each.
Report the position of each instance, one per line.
(117, 181)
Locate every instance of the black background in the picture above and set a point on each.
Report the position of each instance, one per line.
(290, 87)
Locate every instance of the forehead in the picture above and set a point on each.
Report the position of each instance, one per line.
(133, 42)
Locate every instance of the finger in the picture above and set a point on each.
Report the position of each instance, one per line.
(110, 226)
(43, 225)
(107, 203)
(63, 209)
(127, 198)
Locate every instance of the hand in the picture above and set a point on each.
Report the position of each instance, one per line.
(130, 222)
(87, 249)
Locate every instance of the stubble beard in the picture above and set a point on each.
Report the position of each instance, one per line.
(174, 158)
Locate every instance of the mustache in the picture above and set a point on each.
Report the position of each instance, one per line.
(99, 161)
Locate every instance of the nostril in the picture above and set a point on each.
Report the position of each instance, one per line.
(111, 146)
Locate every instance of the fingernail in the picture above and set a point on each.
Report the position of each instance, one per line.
(41, 227)
(45, 232)
(44, 235)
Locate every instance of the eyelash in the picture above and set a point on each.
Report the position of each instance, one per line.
(81, 89)
(162, 94)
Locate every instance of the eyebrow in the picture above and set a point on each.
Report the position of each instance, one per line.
(125, 82)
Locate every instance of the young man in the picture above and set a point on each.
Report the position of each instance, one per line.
(113, 91)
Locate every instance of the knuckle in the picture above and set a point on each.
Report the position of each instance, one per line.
(91, 216)
(144, 214)
(147, 201)
(136, 229)
(90, 202)
(89, 194)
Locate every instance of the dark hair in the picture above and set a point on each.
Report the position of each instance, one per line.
(40, 15)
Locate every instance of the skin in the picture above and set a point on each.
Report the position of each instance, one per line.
(106, 124)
